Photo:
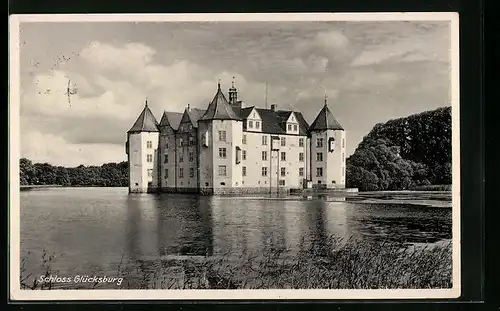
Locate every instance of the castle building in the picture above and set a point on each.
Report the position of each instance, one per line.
(231, 149)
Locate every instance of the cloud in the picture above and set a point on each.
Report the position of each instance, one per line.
(420, 44)
(55, 150)
(368, 71)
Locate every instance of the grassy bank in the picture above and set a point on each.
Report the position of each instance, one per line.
(336, 264)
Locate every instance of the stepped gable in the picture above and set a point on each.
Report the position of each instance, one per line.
(146, 122)
(219, 109)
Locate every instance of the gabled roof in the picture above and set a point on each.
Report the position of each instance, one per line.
(146, 122)
(272, 121)
(171, 118)
(219, 109)
(325, 121)
(245, 112)
(195, 114)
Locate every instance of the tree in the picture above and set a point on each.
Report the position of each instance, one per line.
(404, 153)
(106, 175)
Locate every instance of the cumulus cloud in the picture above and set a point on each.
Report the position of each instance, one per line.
(176, 65)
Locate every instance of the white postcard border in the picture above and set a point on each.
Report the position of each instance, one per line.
(120, 294)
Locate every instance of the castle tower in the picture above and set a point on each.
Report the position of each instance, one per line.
(142, 153)
(327, 150)
(233, 99)
(219, 137)
(233, 93)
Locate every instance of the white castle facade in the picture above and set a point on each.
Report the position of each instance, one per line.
(230, 149)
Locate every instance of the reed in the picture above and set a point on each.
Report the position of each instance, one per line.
(334, 264)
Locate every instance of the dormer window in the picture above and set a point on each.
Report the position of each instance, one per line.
(295, 127)
(250, 124)
(289, 127)
(257, 124)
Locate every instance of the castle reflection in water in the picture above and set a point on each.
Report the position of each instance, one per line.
(207, 226)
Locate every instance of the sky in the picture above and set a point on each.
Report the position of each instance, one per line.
(371, 72)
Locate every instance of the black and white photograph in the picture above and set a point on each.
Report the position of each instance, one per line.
(234, 156)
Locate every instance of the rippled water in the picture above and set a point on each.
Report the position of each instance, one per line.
(96, 228)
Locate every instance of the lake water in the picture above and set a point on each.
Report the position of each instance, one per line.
(94, 229)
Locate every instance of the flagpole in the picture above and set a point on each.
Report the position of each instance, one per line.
(266, 95)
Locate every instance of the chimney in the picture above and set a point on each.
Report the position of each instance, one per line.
(273, 107)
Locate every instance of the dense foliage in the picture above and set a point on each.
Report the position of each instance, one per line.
(106, 175)
(404, 153)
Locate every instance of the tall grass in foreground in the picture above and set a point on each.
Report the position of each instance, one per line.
(335, 264)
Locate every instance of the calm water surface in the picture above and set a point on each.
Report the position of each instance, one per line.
(96, 228)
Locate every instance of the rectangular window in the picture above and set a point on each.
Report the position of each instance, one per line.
(342, 157)
(319, 142)
(283, 171)
(244, 171)
(295, 127)
(149, 158)
(166, 145)
(343, 142)
(244, 154)
(283, 141)
(181, 142)
(222, 135)
(301, 157)
(301, 171)
(191, 172)
(257, 124)
(250, 124)
(181, 172)
(301, 142)
(191, 157)
(149, 144)
(166, 173)
(283, 156)
(222, 153)
(222, 170)
(165, 159)
(264, 155)
(319, 156)
(264, 140)
(181, 157)
(282, 182)
(319, 172)
(150, 173)
(289, 127)
(244, 139)
(264, 171)
(191, 141)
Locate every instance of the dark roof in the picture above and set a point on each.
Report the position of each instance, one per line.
(171, 118)
(272, 121)
(219, 109)
(146, 122)
(325, 121)
(195, 114)
(245, 112)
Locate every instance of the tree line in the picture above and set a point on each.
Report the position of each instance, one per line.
(106, 175)
(401, 154)
(404, 154)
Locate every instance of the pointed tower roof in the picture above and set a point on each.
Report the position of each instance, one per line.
(219, 108)
(325, 120)
(146, 122)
